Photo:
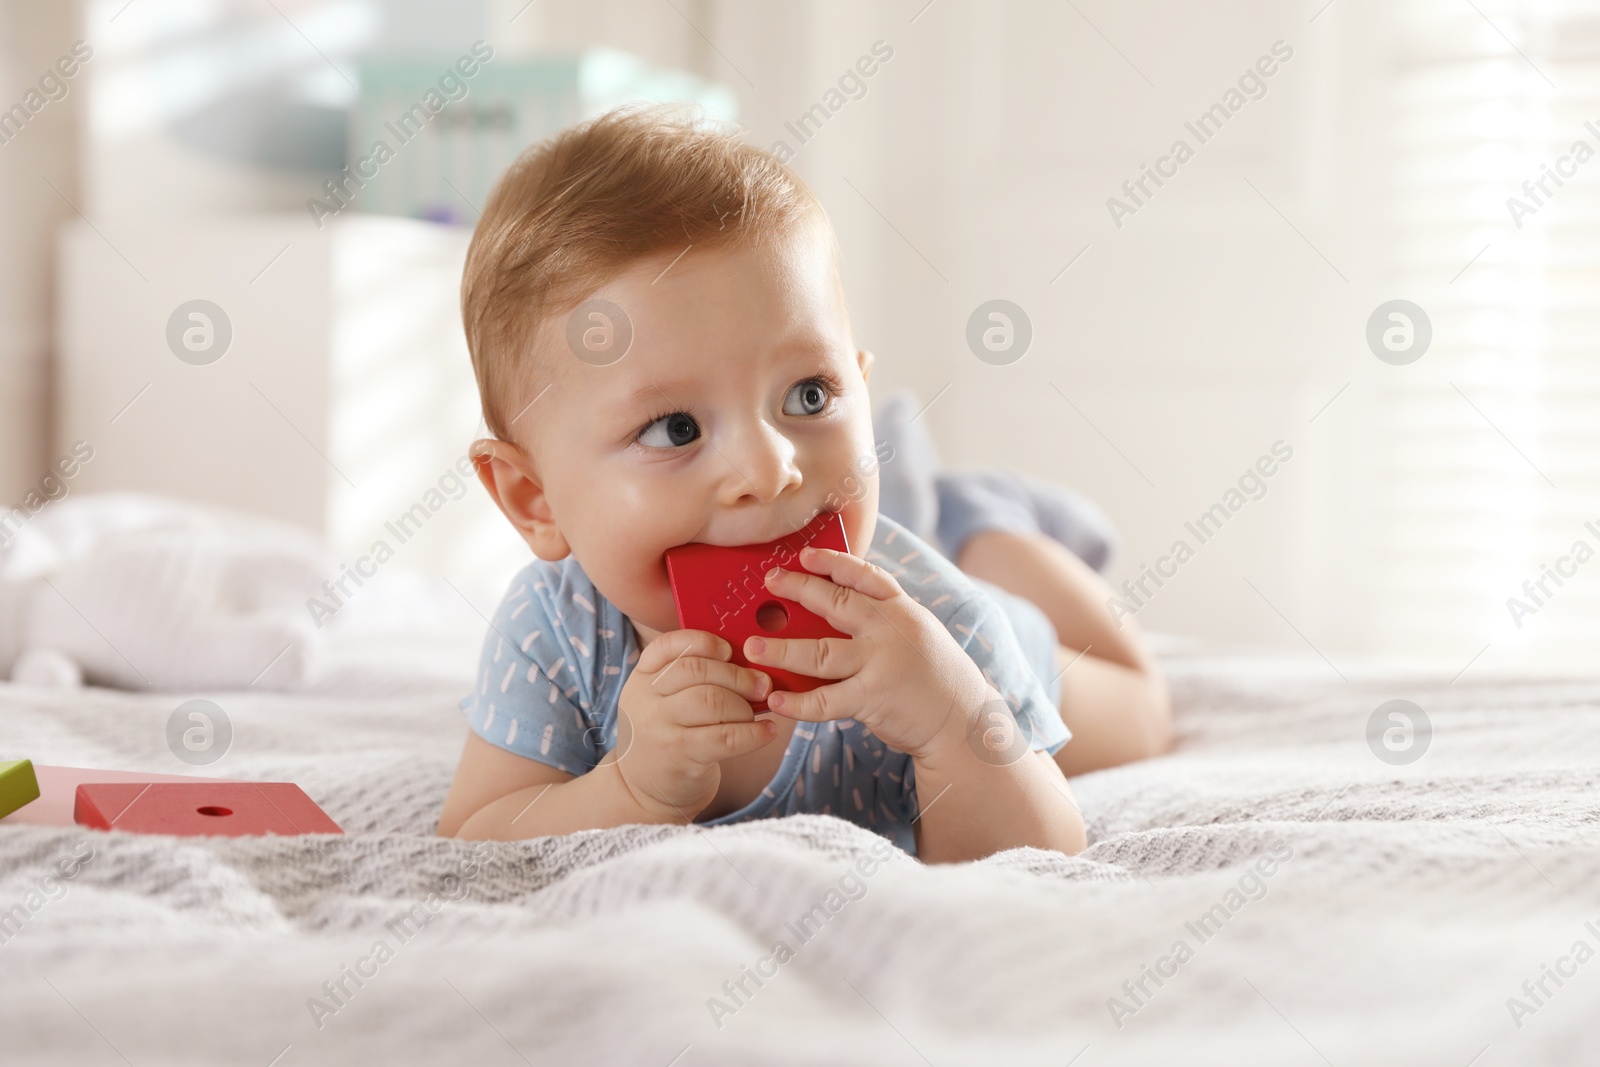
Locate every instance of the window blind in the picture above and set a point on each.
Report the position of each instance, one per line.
(1487, 474)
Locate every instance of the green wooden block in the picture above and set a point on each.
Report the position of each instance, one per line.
(18, 785)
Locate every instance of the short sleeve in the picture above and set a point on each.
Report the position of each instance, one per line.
(1011, 648)
(551, 670)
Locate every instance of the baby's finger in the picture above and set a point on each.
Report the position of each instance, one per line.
(850, 571)
(724, 740)
(707, 705)
(825, 703)
(688, 671)
(845, 609)
(830, 657)
(674, 643)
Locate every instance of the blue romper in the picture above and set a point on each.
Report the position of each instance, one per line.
(557, 654)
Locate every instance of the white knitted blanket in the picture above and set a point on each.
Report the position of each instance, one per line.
(1402, 909)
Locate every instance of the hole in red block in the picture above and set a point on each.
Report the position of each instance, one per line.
(212, 809)
(772, 616)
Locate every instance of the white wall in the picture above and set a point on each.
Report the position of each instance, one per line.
(32, 37)
(1190, 340)
(344, 398)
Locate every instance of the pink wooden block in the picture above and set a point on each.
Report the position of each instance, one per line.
(201, 809)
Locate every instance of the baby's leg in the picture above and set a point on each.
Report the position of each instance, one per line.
(1113, 698)
(1000, 498)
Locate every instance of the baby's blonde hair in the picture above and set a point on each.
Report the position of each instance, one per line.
(574, 211)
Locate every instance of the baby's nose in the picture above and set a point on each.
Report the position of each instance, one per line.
(766, 465)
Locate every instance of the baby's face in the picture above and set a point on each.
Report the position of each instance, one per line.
(738, 412)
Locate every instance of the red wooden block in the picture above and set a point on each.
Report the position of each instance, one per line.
(221, 809)
(723, 589)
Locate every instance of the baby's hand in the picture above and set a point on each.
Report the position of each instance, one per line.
(900, 673)
(683, 710)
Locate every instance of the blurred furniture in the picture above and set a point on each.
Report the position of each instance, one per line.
(445, 169)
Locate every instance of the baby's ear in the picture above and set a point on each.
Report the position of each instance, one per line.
(508, 473)
(864, 360)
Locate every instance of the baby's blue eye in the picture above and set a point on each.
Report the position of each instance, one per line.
(670, 431)
(807, 398)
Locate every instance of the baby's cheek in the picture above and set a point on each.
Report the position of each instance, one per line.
(860, 519)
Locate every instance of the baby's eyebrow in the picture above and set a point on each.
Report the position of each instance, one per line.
(647, 395)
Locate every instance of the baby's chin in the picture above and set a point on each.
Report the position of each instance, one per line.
(648, 617)
(648, 604)
(648, 633)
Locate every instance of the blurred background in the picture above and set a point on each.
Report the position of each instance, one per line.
(182, 289)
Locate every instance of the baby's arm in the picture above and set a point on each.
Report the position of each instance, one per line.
(683, 710)
(972, 809)
(902, 675)
(503, 796)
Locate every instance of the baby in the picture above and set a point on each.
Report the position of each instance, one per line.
(662, 346)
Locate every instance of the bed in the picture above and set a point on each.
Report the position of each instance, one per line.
(1334, 908)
